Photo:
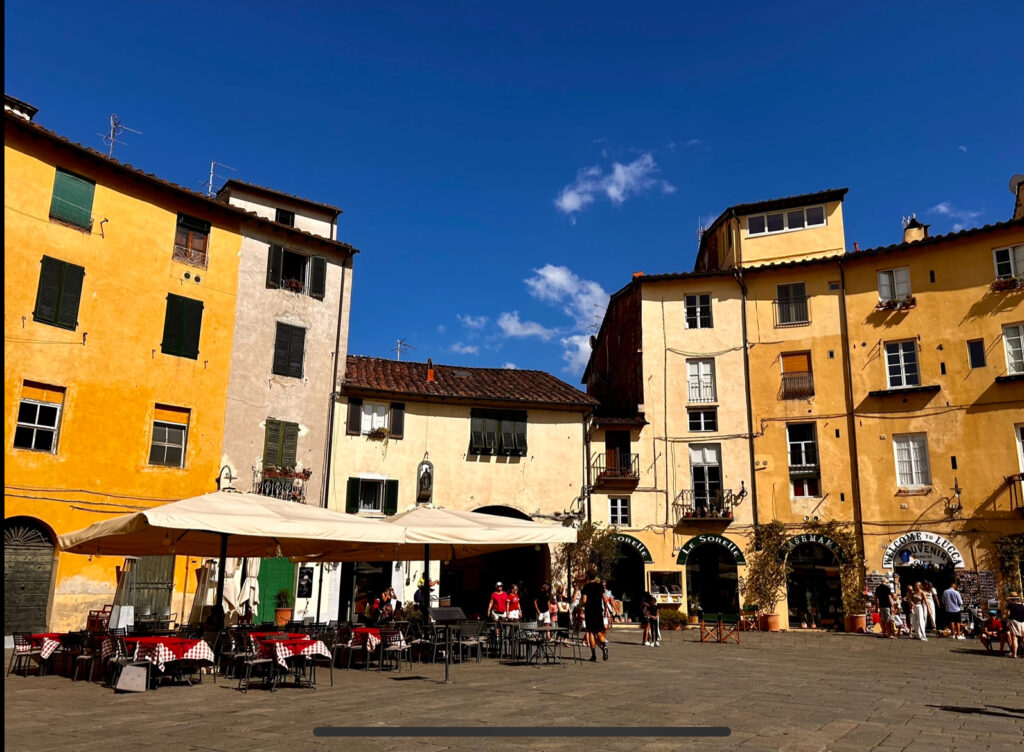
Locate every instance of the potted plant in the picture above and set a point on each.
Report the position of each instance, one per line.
(766, 575)
(283, 604)
(1005, 283)
(671, 619)
(908, 302)
(851, 574)
(378, 433)
(692, 615)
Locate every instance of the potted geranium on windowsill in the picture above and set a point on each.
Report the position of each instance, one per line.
(1006, 283)
(377, 433)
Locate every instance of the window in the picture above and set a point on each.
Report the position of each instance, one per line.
(183, 321)
(894, 284)
(372, 494)
(289, 348)
(191, 240)
(285, 217)
(1013, 336)
(706, 472)
(911, 460)
(797, 377)
(170, 431)
(377, 417)
(901, 364)
(498, 432)
(700, 380)
(39, 415)
(1009, 261)
(703, 420)
(785, 221)
(804, 473)
(59, 293)
(288, 270)
(976, 353)
(280, 444)
(791, 304)
(698, 311)
(618, 511)
(72, 199)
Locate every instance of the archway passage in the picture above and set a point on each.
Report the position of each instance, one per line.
(470, 581)
(814, 588)
(711, 579)
(627, 581)
(28, 568)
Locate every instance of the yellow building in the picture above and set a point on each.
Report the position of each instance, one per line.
(116, 364)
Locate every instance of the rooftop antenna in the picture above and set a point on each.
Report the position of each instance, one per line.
(116, 129)
(213, 174)
(701, 228)
(401, 345)
(907, 220)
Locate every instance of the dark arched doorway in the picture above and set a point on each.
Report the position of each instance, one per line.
(28, 569)
(814, 590)
(711, 579)
(626, 580)
(470, 581)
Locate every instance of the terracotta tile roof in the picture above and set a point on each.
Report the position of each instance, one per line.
(32, 128)
(392, 377)
(330, 208)
(602, 421)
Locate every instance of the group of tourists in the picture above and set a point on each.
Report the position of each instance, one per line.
(918, 610)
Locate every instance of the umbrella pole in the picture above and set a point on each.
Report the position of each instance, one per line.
(425, 592)
(220, 568)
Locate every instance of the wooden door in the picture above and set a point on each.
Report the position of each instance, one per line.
(28, 568)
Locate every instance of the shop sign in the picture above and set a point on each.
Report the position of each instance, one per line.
(821, 540)
(699, 540)
(629, 540)
(922, 547)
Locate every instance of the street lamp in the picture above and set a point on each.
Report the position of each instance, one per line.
(955, 508)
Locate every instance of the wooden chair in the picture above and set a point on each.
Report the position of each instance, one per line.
(751, 622)
(726, 628)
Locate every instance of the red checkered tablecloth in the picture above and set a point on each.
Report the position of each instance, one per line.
(162, 650)
(282, 650)
(372, 637)
(47, 642)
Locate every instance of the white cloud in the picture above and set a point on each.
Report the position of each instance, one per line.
(623, 182)
(510, 365)
(577, 352)
(581, 299)
(472, 322)
(963, 216)
(512, 326)
(694, 142)
(458, 347)
(441, 328)
(962, 148)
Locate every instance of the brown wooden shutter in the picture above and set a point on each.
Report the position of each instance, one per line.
(274, 264)
(396, 421)
(354, 426)
(796, 362)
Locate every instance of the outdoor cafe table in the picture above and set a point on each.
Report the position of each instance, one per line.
(372, 636)
(264, 636)
(163, 650)
(48, 643)
(293, 647)
(544, 646)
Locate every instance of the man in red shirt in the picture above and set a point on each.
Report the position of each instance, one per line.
(991, 629)
(498, 606)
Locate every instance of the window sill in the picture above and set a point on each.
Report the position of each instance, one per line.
(788, 324)
(1009, 378)
(72, 225)
(893, 391)
(54, 323)
(914, 491)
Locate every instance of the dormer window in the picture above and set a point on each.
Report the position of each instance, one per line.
(785, 221)
(285, 217)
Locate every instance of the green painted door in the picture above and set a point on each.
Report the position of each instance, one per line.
(275, 574)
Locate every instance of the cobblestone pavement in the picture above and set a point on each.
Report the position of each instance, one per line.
(790, 691)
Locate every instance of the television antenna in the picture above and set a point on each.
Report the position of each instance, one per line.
(401, 345)
(907, 220)
(116, 129)
(213, 174)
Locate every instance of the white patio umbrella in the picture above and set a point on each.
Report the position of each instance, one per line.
(250, 592)
(225, 523)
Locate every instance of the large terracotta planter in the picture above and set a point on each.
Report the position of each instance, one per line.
(693, 619)
(856, 623)
(282, 616)
(769, 622)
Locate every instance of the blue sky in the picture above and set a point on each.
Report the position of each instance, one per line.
(504, 167)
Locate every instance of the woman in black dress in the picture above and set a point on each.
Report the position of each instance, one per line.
(593, 613)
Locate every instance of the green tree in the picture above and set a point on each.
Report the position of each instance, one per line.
(594, 545)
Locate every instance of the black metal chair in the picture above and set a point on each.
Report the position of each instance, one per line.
(89, 654)
(254, 658)
(122, 657)
(470, 639)
(393, 646)
(574, 641)
(358, 644)
(24, 652)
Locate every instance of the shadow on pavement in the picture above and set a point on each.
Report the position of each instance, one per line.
(978, 711)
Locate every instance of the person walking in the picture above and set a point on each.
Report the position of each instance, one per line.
(542, 605)
(514, 610)
(953, 604)
(930, 602)
(1015, 623)
(919, 613)
(885, 600)
(593, 602)
(654, 620)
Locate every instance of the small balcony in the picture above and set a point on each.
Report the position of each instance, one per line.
(797, 385)
(1006, 283)
(698, 505)
(791, 312)
(611, 471)
(701, 392)
(1015, 483)
(281, 483)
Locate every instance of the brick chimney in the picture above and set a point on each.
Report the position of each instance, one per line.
(914, 230)
(430, 370)
(637, 274)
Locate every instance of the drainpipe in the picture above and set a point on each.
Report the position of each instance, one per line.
(737, 275)
(326, 484)
(851, 422)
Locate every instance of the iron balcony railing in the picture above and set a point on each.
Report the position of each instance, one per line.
(616, 466)
(791, 312)
(1015, 483)
(193, 256)
(797, 384)
(703, 504)
(285, 484)
(701, 392)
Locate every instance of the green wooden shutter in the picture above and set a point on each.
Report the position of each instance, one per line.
(274, 265)
(318, 278)
(191, 327)
(289, 444)
(275, 574)
(173, 318)
(396, 421)
(272, 444)
(72, 199)
(354, 426)
(296, 350)
(352, 496)
(48, 293)
(390, 497)
(281, 344)
(70, 296)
